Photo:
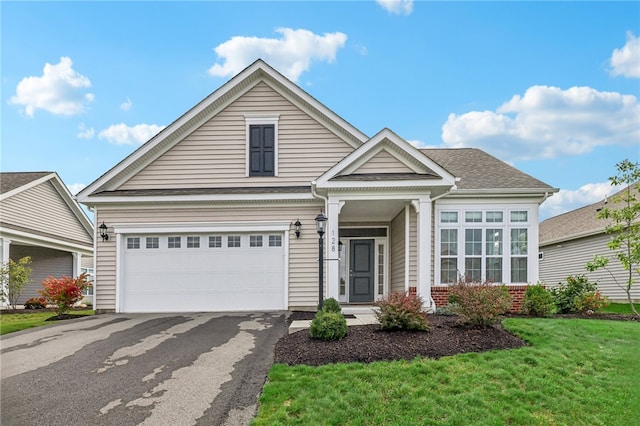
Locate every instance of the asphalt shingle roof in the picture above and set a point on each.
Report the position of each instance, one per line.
(479, 170)
(12, 180)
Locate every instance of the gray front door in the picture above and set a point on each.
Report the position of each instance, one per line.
(361, 279)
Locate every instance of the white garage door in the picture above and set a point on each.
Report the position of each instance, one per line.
(202, 272)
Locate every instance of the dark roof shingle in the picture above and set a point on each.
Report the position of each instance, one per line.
(12, 180)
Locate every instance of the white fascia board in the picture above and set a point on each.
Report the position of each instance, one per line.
(196, 198)
(38, 240)
(502, 193)
(383, 185)
(69, 199)
(199, 227)
(26, 186)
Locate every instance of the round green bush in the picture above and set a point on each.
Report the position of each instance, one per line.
(331, 305)
(328, 326)
(538, 301)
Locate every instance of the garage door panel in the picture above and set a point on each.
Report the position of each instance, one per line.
(202, 279)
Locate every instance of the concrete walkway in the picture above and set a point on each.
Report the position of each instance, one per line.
(363, 316)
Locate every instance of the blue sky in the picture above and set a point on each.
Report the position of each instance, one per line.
(549, 87)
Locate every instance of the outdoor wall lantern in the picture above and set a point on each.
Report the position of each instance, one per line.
(297, 225)
(103, 232)
(321, 223)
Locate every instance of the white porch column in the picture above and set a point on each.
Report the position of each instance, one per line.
(332, 252)
(77, 264)
(423, 208)
(5, 245)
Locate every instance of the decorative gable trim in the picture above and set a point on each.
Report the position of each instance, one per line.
(426, 172)
(255, 73)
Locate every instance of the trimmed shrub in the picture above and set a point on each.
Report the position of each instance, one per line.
(446, 310)
(328, 326)
(478, 303)
(538, 301)
(331, 305)
(64, 292)
(35, 303)
(590, 302)
(401, 311)
(565, 295)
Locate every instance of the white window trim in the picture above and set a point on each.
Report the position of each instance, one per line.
(259, 119)
(506, 226)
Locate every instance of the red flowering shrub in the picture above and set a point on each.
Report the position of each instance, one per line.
(64, 292)
(479, 303)
(401, 311)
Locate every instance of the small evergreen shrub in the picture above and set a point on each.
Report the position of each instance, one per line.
(35, 303)
(565, 295)
(590, 302)
(538, 301)
(446, 310)
(401, 311)
(331, 305)
(328, 326)
(479, 303)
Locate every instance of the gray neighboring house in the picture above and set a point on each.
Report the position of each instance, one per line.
(40, 218)
(570, 240)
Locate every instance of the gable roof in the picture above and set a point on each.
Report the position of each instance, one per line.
(15, 183)
(421, 170)
(478, 171)
(579, 223)
(255, 73)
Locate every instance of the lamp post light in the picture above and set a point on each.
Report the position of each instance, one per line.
(321, 222)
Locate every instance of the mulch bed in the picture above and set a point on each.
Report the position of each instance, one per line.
(447, 336)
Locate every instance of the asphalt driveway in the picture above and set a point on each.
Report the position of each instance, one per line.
(139, 369)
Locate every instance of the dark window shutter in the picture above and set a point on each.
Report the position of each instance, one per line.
(262, 150)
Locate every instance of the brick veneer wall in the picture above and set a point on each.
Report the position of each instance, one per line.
(440, 295)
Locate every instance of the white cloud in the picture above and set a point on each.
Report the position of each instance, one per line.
(291, 55)
(398, 7)
(84, 132)
(60, 90)
(548, 122)
(566, 200)
(126, 105)
(626, 61)
(74, 188)
(121, 134)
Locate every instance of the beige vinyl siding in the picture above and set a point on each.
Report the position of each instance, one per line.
(571, 257)
(42, 209)
(413, 247)
(383, 162)
(303, 252)
(214, 155)
(44, 262)
(397, 254)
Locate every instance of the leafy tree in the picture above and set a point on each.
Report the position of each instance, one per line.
(624, 216)
(14, 276)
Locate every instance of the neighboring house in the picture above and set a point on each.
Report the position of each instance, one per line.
(570, 240)
(202, 216)
(40, 218)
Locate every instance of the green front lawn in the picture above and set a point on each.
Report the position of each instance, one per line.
(620, 308)
(12, 322)
(576, 372)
